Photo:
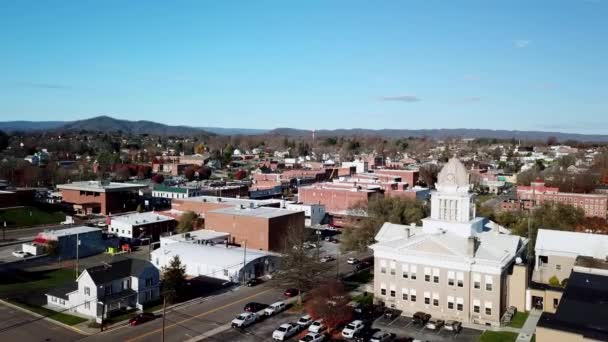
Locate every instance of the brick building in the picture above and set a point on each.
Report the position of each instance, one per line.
(203, 204)
(8, 199)
(336, 197)
(263, 228)
(95, 197)
(594, 205)
(407, 176)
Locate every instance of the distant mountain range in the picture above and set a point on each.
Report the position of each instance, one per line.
(109, 124)
(442, 133)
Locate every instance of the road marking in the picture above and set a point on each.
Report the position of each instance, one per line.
(197, 316)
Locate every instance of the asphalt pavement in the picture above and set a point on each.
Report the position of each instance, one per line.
(16, 325)
(185, 322)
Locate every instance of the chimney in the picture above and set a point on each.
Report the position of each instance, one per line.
(471, 245)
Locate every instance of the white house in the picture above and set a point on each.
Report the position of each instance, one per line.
(99, 290)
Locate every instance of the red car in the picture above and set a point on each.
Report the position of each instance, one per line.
(291, 292)
(141, 318)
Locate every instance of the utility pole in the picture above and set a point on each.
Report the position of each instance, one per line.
(529, 235)
(164, 313)
(244, 261)
(77, 251)
(338, 264)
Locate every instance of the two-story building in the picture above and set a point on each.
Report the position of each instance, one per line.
(454, 266)
(99, 290)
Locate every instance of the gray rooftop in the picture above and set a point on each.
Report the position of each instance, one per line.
(232, 200)
(72, 231)
(263, 212)
(142, 218)
(96, 186)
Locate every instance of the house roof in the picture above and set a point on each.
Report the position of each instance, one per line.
(575, 243)
(583, 308)
(117, 270)
(63, 290)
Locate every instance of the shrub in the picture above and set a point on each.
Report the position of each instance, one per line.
(553, 281)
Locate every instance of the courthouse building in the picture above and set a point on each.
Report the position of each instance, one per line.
(454, 266)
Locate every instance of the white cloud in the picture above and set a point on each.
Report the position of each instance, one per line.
(472, 77)
(522, 43)
(401, 98)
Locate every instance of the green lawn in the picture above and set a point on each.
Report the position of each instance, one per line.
(364, 299)
(483, 198)
(23, 283)
(519, 320)
(57, 316)
(27, 289)
(29, 216)
(498, 336)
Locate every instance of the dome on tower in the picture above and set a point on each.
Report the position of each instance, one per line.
(453, 174)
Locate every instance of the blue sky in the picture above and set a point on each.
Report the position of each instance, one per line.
(528, 65)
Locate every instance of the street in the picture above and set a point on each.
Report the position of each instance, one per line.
(194, 319)
(185, 322)
(16, 325)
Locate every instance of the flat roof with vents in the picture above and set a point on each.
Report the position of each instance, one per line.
(142, 218)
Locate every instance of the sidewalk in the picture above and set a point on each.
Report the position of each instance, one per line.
(529, 327)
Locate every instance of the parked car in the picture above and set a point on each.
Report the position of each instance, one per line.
(255, 307)
(352, 328)
(244, 320)
(352, 261)
(275, 308)
(141, 318)
(420, 318)
(454, 326)
(291, 292)
(285, 331)
(304, 321)
(390, 313)
(382, 336)
(254, 282)
(435, 324)
(21, 254)
(312, 337)
(317, 326)
(327, 258)
(365, 334)
(364, 264)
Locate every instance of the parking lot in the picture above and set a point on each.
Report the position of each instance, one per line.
(403, 327)
(260, 331)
